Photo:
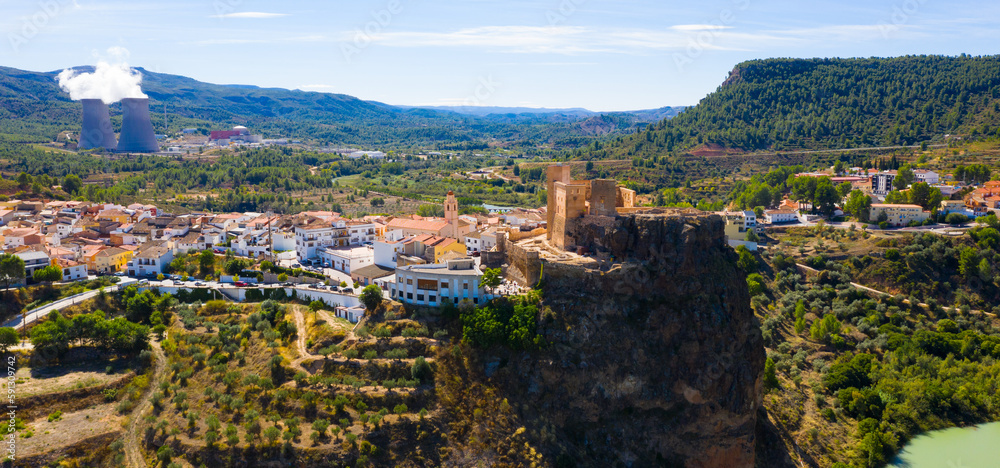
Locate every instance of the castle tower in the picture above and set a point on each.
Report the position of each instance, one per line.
(554, 173)
(451, 213)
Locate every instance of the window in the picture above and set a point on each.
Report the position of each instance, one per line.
(427, 285)
(465, 286)
(444, 285)
(409, 280)
(420, 297)
(409, 296)
(432, 298)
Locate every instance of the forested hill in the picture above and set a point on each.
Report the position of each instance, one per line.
(33, 108)
(785, 104)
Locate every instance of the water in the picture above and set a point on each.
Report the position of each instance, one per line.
(971, 447)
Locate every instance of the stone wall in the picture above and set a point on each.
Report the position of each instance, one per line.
(524, 266)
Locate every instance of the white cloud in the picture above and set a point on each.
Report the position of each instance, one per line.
(251, 14)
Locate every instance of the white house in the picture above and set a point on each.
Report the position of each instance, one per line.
(433, 284)
(386, 252)
(71, 270)
(351, 314)
(780, 216)
(315, 234)
(152, 260)
(923, 175)
(473, 242)
(347, 259)
(362, 232)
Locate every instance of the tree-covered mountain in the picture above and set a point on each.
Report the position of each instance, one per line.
(33, 107)
(785, 104)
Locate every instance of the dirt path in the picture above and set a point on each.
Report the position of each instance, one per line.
(133, 452)
(301, 333)
(905, 301)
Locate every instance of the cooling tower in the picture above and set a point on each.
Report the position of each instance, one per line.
(137, 129)
(97, 130)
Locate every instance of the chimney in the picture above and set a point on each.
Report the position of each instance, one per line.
(97, 131)
(137, 128)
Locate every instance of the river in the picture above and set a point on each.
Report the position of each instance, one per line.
(970, 447)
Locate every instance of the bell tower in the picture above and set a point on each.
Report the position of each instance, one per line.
(451, 213)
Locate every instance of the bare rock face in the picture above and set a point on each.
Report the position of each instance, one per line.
(654, 357)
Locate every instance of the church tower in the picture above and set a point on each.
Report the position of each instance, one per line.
(451, 213)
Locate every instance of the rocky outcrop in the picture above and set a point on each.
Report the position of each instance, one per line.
(654, 356)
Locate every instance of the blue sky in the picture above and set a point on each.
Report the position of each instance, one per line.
(597, 54)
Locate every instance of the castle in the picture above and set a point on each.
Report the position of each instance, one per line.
(569, 200)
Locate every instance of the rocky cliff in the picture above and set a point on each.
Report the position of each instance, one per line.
(654, 357)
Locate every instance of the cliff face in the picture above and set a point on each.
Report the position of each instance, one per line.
(654, 360)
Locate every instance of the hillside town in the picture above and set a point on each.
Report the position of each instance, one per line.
(84, 240)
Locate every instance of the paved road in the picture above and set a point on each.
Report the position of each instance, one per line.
(40, 312)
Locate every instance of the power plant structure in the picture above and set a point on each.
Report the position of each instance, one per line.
(97, 130)
(137, 128)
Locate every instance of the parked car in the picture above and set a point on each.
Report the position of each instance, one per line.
(199, 283)
(289, 283)
(240, 284)
(296, 265)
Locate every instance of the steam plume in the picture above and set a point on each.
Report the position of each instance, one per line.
(110, 82)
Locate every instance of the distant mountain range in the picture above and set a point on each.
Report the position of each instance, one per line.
(33, 107)
(652, 115)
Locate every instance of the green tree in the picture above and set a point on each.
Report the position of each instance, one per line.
(371, 296)
(48, 274)
(8, 338)
(746, 261)
(421, 370)
(492, 278)
(904, 177)
(858, 205)
(72, 184)
(770, 376)
(206, 261)
(822, 329)
(11, 269)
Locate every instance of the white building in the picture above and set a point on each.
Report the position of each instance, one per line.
(362, 232)
(351, 314)
(386, 252)
(347, 259)
(882, 182)
(257, 243)
(473, 242)
(316, 234)
(71, 270)
(152, 260)
(433, 284)
(923, 175)
(780, 216)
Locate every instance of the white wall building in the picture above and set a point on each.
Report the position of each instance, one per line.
(930, 177)
(316, 235)
(780, 216)
(433, 284)
(347, 259)
(386, 252)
